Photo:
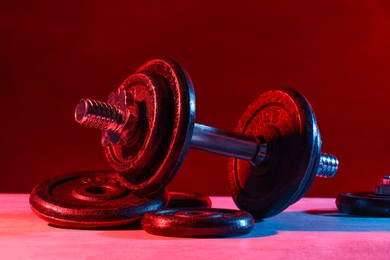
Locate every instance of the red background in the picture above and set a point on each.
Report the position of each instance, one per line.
(335, 52)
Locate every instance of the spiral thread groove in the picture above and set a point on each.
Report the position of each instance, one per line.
(99, 115)
(328, 166)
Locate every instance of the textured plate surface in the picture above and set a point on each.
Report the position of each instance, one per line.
(93, 199)
(197, 222)
(286, 121)
(178, 127)
(139, 145)
(180, 199)
(364, 203)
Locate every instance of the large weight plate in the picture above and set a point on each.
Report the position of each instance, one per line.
(198, 222)
(93, 199)
(286, 121)
(364, 203)
(179, 106)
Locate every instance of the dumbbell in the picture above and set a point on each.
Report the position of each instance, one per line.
(149, 124)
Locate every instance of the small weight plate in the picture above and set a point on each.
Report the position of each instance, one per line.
(92, 199)
(139, 150)
(197, 222)
(364, 203)
(286, 121)
(179, 199)
(178, 126)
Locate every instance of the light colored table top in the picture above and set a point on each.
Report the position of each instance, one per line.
(310, 228)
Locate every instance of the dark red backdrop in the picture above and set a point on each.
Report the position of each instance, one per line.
(336, 52)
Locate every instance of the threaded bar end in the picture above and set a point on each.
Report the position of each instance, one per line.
(97, 114)
(328, 166)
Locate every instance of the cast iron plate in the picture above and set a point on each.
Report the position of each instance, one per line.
(287, 122)
(364, 203)
(197, 222)
(179, 107)
(92, 199)
(138, 148)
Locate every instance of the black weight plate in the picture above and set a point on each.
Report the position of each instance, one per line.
(139, 150)
(179, 199)
(197, 222)
(287, 122)
(92, 199)
(364, 203)
(178, 127)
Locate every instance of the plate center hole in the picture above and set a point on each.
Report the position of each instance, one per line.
(97, 190)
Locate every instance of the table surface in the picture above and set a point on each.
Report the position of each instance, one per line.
(310, 228)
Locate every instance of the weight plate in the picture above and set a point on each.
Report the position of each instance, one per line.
(364, 203)
(140, 146)
(197, 222)
(286, 121)
(92, 199)
(178, 126)
(178, 199)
